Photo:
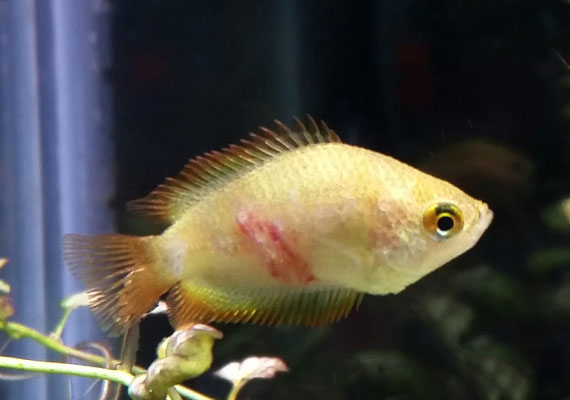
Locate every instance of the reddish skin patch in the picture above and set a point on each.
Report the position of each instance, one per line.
(384, 233)
(268, 240)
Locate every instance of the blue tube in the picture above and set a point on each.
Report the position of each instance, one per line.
(56, 166)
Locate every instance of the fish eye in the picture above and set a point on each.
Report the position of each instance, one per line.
(443, 220)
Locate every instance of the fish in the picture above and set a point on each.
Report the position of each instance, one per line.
(289, 227)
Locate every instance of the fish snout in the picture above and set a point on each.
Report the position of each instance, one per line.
(485, 215)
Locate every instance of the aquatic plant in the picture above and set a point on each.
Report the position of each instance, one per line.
(185, 354)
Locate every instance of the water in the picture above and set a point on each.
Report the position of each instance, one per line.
(99, 102)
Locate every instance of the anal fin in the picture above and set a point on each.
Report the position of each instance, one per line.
(267, 306)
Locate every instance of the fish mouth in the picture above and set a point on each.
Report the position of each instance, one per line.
(485, 217)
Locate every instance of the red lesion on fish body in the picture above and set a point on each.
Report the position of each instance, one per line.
(275, 248)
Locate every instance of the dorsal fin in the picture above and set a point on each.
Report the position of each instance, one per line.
(204, 174)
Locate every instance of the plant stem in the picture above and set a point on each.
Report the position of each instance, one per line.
(61, 324)
(67, 369)
(19, 331)
(236, 387)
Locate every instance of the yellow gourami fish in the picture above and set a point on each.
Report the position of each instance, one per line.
(289, 227)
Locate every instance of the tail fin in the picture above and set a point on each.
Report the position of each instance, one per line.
(117, 271)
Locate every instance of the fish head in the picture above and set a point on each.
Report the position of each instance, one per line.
(422, 228)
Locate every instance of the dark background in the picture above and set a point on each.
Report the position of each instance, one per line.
(472, 91)
(101, 100)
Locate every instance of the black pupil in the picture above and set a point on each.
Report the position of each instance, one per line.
(445, 223)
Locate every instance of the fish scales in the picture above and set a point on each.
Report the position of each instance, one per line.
(270, 215)
(290, 227)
